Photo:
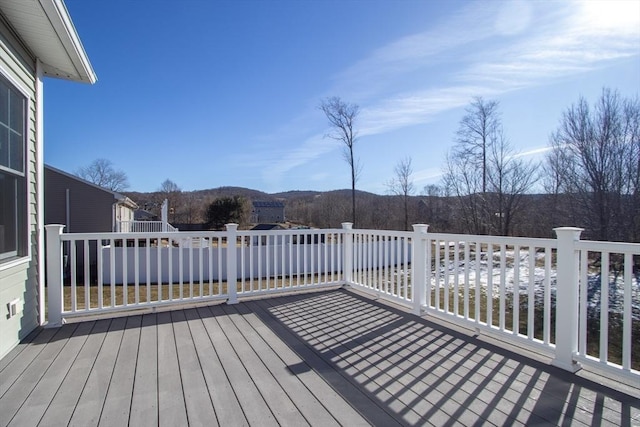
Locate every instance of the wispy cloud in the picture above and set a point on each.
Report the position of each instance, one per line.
(425, 176)
(494, 57)
(532, 152)
(310, 149)
(485, 49)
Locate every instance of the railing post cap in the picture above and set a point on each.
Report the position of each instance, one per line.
(571, 231)
(54, 227)
(231, 226)
(422, 228)
(347, 225)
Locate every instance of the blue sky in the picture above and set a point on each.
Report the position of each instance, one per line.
(226, 93)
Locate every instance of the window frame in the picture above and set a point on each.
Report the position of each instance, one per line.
(11, 259)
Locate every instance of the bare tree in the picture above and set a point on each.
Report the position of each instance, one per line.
(463, 180)
(600, 153)
(477, 132)
(170, 191)
(342, 117)
(485, 174)
(402, 185)
(169, 186)
(433, 207)
(102, 173)
(509, 179)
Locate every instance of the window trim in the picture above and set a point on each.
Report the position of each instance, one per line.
(10, 262)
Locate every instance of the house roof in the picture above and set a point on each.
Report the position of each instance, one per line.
(269, 204)
(49, 34)
(262, 227)
(143, 215)
(120, 198)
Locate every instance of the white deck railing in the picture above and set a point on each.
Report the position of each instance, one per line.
(507, 286)
(144, 227)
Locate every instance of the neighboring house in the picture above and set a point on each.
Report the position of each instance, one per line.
(265, 212)
(37, 40)
(83, 207)
(265, 227)
(144, 215)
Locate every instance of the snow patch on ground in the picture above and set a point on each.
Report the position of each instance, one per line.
(521, 278)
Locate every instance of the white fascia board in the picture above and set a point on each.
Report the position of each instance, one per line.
(61, 23)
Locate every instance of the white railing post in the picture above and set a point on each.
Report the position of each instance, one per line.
(567, 298)
(419, 267)
(55, 303)
(347, 253)
(232, 261)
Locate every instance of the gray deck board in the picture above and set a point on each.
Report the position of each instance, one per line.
(144, 399)
(227, 408)
(89, 407)
(196, 395)
(324, 394)
(275, 397)
(43, 393)
(63, 404)
(171, 405)
(358, 397)
(307, 403)
(13, 399)
(117, 404)
(321, 359)
(37, 336)
(253, 405)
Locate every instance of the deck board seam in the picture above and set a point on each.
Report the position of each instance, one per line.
(23, 345)
(68, 372)
(236, 344)
(28, 346)
(256, 341)
(113, 332)
(55, 376)
(328, 364)
(278, 356)
(180, 373)
(326, 393)
(197, 316)
(69, 332)
(213, 321)
(75, 406)
(115, 362)
(200, 364)
(353, 336)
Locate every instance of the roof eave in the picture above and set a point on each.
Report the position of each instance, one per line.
(62, 24)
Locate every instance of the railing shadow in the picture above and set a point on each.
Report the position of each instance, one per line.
(396, 367)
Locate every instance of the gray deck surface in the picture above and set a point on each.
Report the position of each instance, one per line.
(323, 359)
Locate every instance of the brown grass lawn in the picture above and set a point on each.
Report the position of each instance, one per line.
(193, 292)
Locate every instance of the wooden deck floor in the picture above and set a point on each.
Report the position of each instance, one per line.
(323, 359)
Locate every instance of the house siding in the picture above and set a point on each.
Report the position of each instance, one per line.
(90, 209)
(19, 279)
(267, 212)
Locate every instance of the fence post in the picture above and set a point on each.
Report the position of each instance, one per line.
(567, 277)
(347, 253)
(232, 263)
(55, 303)
(419, 267)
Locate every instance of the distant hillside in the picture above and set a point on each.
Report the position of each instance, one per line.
(296, 194)
(537, 216)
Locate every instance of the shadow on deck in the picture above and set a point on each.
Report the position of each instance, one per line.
(326, 358)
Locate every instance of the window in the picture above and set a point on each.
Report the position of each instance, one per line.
(13, 177)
